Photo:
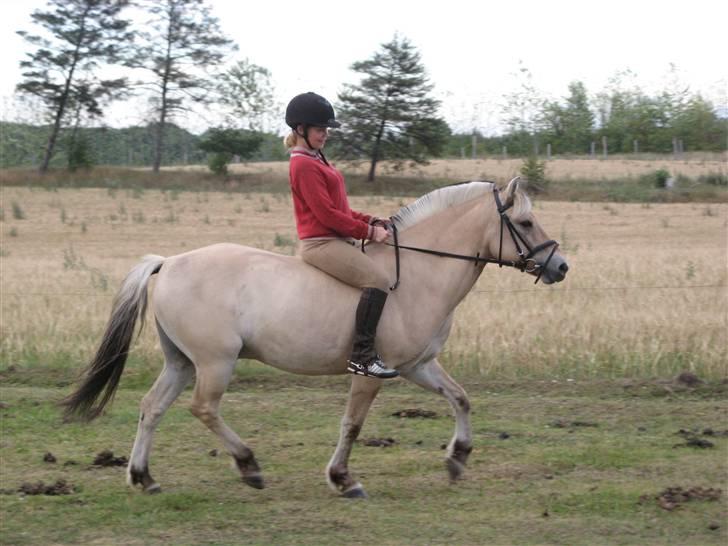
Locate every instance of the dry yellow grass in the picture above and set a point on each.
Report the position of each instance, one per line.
(505, 169)
(646, 294)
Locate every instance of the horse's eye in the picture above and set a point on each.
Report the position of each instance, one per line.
(527, 224)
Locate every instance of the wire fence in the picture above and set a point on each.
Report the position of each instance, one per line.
(477, 291)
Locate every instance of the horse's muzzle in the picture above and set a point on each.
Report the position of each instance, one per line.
(555, 270)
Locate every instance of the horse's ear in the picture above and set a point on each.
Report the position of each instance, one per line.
(510, 191)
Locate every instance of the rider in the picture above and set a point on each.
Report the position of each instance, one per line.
(328, 228)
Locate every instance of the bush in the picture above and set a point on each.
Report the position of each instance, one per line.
(79, 154)
(218, 162)
(223, 144)
(714, 179)
(534, 171)
(657, 179)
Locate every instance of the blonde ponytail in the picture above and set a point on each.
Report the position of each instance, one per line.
(290, 140)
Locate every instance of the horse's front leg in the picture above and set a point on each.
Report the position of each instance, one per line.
(431, 376)
(363, 391)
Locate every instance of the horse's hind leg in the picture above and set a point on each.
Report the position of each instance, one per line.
(177, 372)
(212, 380)
(431, 376)
(362, 394)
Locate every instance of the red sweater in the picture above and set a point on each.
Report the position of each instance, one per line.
(320, 202)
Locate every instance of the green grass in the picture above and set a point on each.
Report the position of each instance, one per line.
(548, 482)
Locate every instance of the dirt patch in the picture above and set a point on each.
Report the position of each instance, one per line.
(106, 458)
(705, 432)
(415, 412)
(49, 458)
(379, 442)
(688, 379)
(674, 497)
(693, 439)
(61, 487)
(562, 423)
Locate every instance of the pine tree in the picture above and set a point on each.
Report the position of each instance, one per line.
(185, 41)
(391, 113)
(83, 34)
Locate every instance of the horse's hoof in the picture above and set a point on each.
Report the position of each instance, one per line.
(255, 481)
(355, 493)
(153, 489)
(455, 469)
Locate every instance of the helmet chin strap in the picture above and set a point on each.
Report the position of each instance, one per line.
(305, 137)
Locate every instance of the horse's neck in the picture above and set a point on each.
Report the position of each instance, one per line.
(440, 285)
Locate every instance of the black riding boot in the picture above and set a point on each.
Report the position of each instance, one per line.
(364, 359)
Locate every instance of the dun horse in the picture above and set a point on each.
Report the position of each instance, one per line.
(224, 302)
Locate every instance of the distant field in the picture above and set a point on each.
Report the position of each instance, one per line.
(646, 294)
(501, 170)
(697, 178)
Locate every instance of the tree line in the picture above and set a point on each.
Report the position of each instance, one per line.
(180, 58)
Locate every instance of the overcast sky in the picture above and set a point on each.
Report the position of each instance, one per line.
(471, 49)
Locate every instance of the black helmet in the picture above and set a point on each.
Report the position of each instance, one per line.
(310, 109)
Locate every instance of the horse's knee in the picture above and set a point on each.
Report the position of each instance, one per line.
(204, 413)
(461, 451)
(463, 403)
(352, 431)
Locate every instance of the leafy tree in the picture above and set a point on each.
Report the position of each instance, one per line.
(523, 112)
(60, 71)
(184, 37)
(224, 143)
(246, 91)
(699, 127)
(570, 126)
(390, 114)
(79, 152)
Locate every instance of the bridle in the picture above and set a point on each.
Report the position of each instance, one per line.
(523, 258)
(525, 263)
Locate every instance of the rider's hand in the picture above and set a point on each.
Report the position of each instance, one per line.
(379, 234)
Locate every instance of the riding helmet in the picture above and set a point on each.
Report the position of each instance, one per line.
(310, 109)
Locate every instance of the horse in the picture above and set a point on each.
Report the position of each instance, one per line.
(220, 303)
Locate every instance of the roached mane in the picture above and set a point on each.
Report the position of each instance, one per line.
(451, 196)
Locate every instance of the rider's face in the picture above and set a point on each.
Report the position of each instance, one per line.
(316, 136)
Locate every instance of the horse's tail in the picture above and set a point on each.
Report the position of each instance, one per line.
(101, 377)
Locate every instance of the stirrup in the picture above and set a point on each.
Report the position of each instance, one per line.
(374, 369)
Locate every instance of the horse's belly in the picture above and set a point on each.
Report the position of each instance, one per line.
(299, 337)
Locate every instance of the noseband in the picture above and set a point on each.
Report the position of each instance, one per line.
(525, 263)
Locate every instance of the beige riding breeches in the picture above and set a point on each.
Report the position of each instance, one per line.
(346, 262)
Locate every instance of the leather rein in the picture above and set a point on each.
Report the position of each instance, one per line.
(525, 263)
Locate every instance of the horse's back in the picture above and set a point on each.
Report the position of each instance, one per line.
(243, 300)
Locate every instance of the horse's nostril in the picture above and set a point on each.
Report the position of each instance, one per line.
(564, 267)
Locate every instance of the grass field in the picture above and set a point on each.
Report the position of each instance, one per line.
(574, 463)
(576, 409)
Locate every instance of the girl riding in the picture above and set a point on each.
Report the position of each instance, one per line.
(328, 228)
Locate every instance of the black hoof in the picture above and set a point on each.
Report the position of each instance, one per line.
(355, 493)
(254, 481)
(153, 489)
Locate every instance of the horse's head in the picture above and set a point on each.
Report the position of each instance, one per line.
(522, 241)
